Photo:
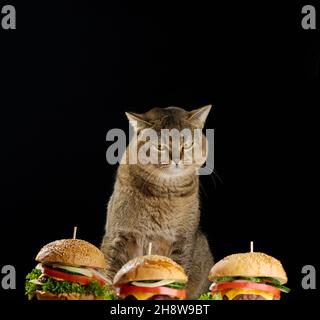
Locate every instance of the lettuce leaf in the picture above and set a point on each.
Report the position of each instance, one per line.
(176, 285)
(30, 287)
(210, 296)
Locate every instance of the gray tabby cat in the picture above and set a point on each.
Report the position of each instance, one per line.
(159, 203)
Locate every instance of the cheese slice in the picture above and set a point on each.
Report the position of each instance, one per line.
(58, 279)
(235, 292)
(142, 295)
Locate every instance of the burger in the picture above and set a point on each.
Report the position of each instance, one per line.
(247, 276)
(68, 269)
(151, 277)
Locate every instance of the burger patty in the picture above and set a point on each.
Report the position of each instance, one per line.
(130, 298)
(155, 297)
(162, 297)
(41, 295)
(246, 297)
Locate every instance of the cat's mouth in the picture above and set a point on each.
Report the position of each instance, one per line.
(173, 169)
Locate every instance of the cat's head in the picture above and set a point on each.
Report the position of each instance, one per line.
(170, 142)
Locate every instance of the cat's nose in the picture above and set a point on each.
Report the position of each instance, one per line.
(176, 162)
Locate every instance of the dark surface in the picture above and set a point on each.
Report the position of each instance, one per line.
(69, 72)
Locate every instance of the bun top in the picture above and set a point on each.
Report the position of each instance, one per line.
(150, 267)
(72, 252)
(251, 264)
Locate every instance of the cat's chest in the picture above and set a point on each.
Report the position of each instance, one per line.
(169, 207)
(169, 214)
(156, 214)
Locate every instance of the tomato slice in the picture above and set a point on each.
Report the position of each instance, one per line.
(246, 284)
(126, 290)
(66, 276)
(99, 279)
(73, 277)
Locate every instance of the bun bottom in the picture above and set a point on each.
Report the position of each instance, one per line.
(41, 295)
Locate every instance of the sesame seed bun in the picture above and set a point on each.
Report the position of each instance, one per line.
(72, 252)
(151, 267)
(251, 264)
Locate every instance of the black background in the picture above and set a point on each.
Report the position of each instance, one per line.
(71, 69)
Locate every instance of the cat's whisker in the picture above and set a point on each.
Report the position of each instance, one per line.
(212, 177)
(202, 189)
(216, 174)
(214, 181)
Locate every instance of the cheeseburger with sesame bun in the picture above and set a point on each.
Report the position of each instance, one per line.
(247, 276)
(68, 269)
(151, 277)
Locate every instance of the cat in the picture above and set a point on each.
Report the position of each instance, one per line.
(159, 203)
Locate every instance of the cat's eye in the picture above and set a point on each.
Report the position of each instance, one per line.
(187, 145)
(160, 147)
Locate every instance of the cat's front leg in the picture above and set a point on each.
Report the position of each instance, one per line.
(182, 252)
(118, 249)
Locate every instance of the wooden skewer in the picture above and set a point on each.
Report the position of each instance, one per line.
(251, 246)
(150, 248)
(75, 232)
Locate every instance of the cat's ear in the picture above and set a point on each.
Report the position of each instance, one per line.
(200, 115)
(137, 120)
